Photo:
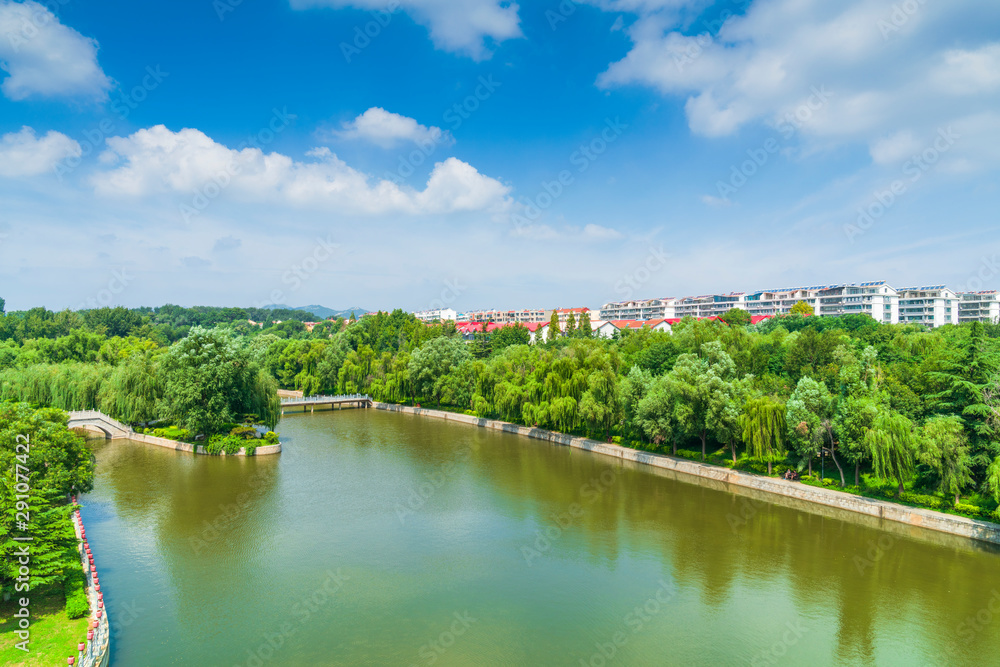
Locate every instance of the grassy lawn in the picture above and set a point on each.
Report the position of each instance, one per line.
(53, 636)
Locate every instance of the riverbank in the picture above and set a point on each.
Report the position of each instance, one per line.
(177, 445)
(871, 507)
(262, 450)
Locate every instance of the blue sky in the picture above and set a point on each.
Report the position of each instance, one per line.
(485, 154)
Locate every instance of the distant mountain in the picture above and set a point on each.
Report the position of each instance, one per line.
(321, 312)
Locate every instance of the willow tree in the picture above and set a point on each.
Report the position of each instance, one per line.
(133, 391)
(891, 444)
(763, 422)
(944, 447)
(993, 483)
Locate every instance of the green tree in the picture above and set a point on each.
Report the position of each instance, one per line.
(133, 391)
(964, 383)
(736, 317)
(809, 418)
(801, 308)
(856, 416)
(209, 380)
(944, 448)
(704, 388)
(554, 331)
(571, 326)
(656, 412)
(430, 365)
(584, 328)
(57, 463)
(512, 334)
(992, 483)
(764, 428)
(891, 444)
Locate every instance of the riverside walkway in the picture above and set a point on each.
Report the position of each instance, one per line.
(341, 401)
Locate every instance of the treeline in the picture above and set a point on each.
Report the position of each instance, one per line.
(164, 324)
(893, 408)
(885, 409)
(201, 383)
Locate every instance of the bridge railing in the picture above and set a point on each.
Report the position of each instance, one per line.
(328, 399)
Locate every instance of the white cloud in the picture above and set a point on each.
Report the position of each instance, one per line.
(44, 58)
(24, 154)
(388, 129)
(460, 27)
(157, 160)
(907, 79)
(895, 149)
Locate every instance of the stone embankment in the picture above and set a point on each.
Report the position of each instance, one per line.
(736, 481)
(98, 422)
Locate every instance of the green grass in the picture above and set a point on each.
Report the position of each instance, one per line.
(53, 636)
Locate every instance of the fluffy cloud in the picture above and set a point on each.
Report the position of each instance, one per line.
(44, 58)
(24, 154)
(893, 72)
(388, 129)
(461, 27)
(157, 160)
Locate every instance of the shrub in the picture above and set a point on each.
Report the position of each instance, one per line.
(244, 432)
(271, 438)
(75, 589)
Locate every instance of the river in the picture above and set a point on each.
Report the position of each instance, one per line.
(388, 539)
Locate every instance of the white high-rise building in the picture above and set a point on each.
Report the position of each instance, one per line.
(932, 306)
(979, 307)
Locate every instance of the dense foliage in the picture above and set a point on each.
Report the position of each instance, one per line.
(883, 408)
(56, 463)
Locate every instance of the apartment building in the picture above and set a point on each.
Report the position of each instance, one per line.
(524, 316)
(436, 315)
(979, 307)
(639, 309)
(932, 306)
(708, 305)
(875, 299)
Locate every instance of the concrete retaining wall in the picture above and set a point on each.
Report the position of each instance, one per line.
(878, 509)
(263, 450)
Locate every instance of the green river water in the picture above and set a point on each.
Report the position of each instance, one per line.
(387, 539)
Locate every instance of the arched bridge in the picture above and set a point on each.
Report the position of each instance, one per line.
(94, 420)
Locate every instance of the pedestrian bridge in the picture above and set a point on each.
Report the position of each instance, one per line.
(341, 401)
(95, 420)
